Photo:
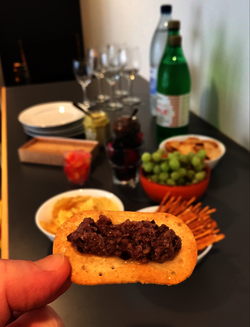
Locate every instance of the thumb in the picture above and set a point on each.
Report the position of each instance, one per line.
(26, 285)
(44, 316)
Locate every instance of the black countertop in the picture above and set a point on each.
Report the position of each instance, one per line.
(217, 293)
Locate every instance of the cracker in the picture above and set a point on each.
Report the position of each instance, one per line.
(88, 269)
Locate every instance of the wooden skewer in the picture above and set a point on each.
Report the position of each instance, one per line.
(204, 210)
(208, 240)
(191, 201)
(163, 202)
(205, 218)
(207, 232)
(190, 220)
(174, 206)
(197, 228)
(211, 211)
(166, 207)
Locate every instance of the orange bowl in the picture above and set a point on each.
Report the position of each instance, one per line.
(156, 192)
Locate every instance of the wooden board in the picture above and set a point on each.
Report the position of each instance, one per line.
(50, 150)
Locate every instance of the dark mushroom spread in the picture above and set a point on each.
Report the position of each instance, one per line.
(143, 241)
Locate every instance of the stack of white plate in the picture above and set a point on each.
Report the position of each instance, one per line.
(61, 119)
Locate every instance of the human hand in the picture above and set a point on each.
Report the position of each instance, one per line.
(27, 287)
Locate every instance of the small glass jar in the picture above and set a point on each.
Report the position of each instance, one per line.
(97, 128)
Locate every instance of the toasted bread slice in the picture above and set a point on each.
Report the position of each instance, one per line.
(89, 269)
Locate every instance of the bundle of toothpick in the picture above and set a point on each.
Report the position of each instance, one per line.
(198, 219)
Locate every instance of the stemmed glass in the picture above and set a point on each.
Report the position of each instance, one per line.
(130, 71)
(123, 57)
(98, 71)
(83, 70)
(111, 67)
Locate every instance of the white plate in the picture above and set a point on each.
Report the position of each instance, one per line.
(201, 255)
(44, 211)
(73, 132)
(57, 129)
(211, 163)
(50, 114)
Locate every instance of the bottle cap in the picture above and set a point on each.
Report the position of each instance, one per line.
(174, 40)
(174, 25)
(166, 9)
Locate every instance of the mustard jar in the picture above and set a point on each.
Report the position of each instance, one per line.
(97, 127)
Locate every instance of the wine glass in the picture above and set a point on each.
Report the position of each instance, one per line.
(98, 71)
(130, 71)
(111, 68)
(120, 92)
(83, 70)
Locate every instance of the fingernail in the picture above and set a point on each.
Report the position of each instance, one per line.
(52, 262)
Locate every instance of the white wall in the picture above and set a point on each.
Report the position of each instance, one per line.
(215, 42)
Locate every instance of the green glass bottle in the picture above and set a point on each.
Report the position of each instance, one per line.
(173, 92)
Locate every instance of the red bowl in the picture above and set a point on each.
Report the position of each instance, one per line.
(156, 192)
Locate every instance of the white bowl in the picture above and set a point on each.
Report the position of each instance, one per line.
(201, 255)
(44, 211)
(211, 163)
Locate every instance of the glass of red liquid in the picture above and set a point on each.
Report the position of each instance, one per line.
(124, 164)
(125, 149)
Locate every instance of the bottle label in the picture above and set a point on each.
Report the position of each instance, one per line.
(172, 110)
(153, 80)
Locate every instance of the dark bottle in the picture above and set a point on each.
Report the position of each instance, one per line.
(173, 92)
